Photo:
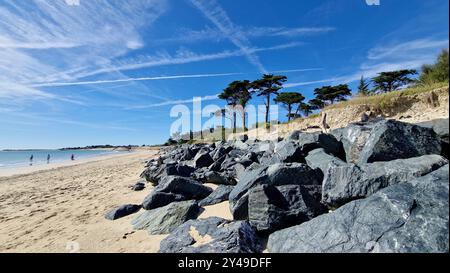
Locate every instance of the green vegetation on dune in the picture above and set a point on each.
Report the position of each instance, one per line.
(386, 99)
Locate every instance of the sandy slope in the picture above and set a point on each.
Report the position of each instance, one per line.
(48, 210)
(62, 209)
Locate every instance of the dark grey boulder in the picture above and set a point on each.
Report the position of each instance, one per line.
(385, 140)
(239, 207)
(189, 188)
(155, 174)
(221, 151)
(212, 235)
(287, 151)
(272, 208)
(441, 127)
(275, 175)
(408, 217)
(158, 199)
(217, 165)
(217, 196)
(345, 182)
(319, 159)
(312, 141)
(203, 159)
(216, 178)
(122, 211)
(165, 219)
(138, 186)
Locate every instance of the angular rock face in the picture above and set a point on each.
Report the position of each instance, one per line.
(311, 141)
(386, 140)
(217, 178)
(275, 175)
(165, 219)
(343, 183)
(122, 211)
(155, 174)
(441, 127)
(287, 151)
(138, 186)
(272, 208)
(319, 159)
(217, 196)
(186, 187)
(159, 199)
(212, 235)
(203, 159)
(406, 217)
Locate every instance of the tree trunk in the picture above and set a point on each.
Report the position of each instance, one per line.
(289, 113)
(234, 121)
(223, 126)
(267, 111)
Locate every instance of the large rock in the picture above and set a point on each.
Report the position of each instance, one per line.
(217, 178)
(406, 217)
(203, 159)
(139, 186)
(212, 235)
(165, 219)
(154, 174)
(275, 175)
(272, 208)
(441, 127)
(319, 159)
(345, 182)
(158, 199)
(187, 187)
(287, 151)
(122, 211)
(312, 141)
(386, 140)
(217, 196)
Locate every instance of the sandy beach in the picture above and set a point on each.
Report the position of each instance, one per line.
(62, 209)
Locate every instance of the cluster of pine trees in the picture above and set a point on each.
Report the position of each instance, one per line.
(238, 93)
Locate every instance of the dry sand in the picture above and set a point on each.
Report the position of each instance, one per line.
(62, 209)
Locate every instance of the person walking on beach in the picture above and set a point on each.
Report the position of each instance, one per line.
(31, 160)
(48, 158)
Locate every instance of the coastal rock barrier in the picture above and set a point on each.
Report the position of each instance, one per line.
(375, 186)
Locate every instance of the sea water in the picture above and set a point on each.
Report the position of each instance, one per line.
(21, 158)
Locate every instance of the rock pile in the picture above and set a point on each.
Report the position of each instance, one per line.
(376, 186)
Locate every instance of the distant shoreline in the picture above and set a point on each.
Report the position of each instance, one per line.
(96, 147)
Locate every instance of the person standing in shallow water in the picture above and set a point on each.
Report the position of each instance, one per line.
(72, 157)
(48, 158)
(31, 160)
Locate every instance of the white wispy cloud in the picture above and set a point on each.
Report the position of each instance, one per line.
(213, 34)
(182, 56)
(58, 41)
(218, 16)
(388, 57)
(130, 79)
(406, 48)
(174, 102)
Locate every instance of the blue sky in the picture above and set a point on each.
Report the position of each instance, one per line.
(109, 72)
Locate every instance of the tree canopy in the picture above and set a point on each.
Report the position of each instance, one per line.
(363, 87)
(393, 80)
(332, 94)
(237, 94)
(289, 99)
(438, 72)
(266, 86)
(316, 104)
